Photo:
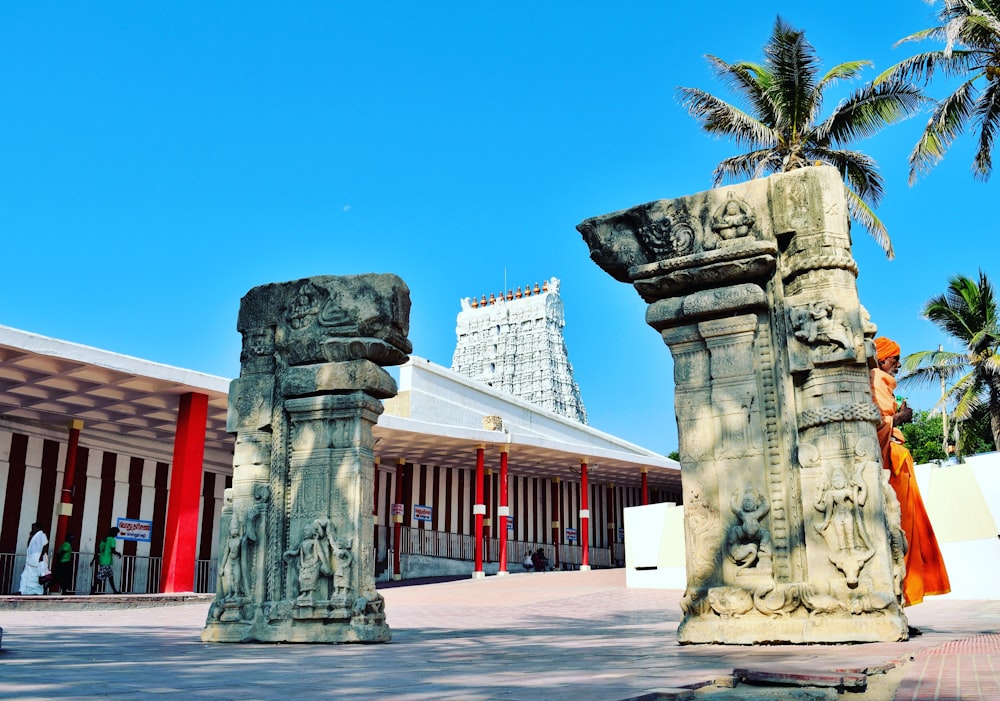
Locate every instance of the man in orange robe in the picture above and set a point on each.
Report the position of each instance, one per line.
(925, 571)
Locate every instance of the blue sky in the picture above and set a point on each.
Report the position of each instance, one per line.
(160, 159)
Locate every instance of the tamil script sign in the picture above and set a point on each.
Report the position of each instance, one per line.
(422, 513)
(134, 529)
(570, 535)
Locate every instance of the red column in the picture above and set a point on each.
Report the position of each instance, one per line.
(555, 522)
(584, 518)
(397, 519)
(487, 518)
(504, 510)
(479, 509)
(645, 485)
(180, 539)
(66, 499)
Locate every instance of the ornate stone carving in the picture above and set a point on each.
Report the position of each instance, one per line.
(494, 339)
(732, 221)
(297, 520)
(843, 526)
(817, 326)
(787, 523)
(749, 541)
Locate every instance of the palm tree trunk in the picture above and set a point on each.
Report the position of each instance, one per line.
(995, 411)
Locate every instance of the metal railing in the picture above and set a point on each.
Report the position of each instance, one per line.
(455, 546)
(134, 574)
(141, 575)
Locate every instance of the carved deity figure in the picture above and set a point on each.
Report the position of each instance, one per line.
(733, 221)
(231, 563)
(843, 525)
(841, 501)
(303, 307)
(342, 573)
(748, 539)
(313, 559)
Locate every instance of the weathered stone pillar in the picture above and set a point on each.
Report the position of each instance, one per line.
(792, 533)
(295, 562)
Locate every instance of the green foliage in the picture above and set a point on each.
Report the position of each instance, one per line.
(968, 313)
(779, 127)
(924, 437)
(674, 455)
(975, 435)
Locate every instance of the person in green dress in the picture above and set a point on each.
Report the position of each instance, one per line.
(103, 559)
(64, 564)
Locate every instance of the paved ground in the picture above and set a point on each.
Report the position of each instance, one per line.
(562, 635)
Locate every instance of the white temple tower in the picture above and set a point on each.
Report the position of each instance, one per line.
(514, 343)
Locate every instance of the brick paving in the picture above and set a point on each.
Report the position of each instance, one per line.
(962, 669)
(561, 635)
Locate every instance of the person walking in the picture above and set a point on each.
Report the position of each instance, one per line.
(104, 560)
(35, 563)
(64, 564)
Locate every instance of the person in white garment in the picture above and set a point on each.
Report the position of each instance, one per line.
(35, 563)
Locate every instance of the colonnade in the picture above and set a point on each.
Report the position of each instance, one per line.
(485, 503)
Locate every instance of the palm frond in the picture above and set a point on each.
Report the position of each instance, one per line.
(866, 217)
(935, 360)
(794, 66)
(859, 170)
(922, 35)
(747, 166)
(718, 117)
(749, 81)
(967, 311)
(946, 122)
(849, 70)
(987, 117)
(870, 109)
(974, 24)
(922, 67)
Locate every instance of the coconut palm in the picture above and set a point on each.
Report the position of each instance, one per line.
(970, 30)
(968, 313)
(780, 126)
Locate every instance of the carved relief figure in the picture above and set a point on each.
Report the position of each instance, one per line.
(303, 307)
(344, 559)
(231, 563)
(252, 534)
(843, 525)
(335, 318)
(313, 559)
(732, 221)
(702, 525)
(816, 325)
(748, 539)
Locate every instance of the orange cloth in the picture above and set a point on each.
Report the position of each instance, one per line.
(885, 348)
(925, 571)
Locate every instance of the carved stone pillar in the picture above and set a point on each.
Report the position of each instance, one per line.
(297, 525)
(789, 525)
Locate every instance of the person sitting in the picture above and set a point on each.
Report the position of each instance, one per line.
(539, 561)
(528, 562)
(925, 571)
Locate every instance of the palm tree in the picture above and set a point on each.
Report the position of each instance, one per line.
(970, 30)
(967, 312)
(780, 126)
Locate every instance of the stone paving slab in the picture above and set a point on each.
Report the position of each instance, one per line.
(560, 635)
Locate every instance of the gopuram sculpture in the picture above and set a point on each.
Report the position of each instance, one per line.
(295, 562)
(791, 529)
